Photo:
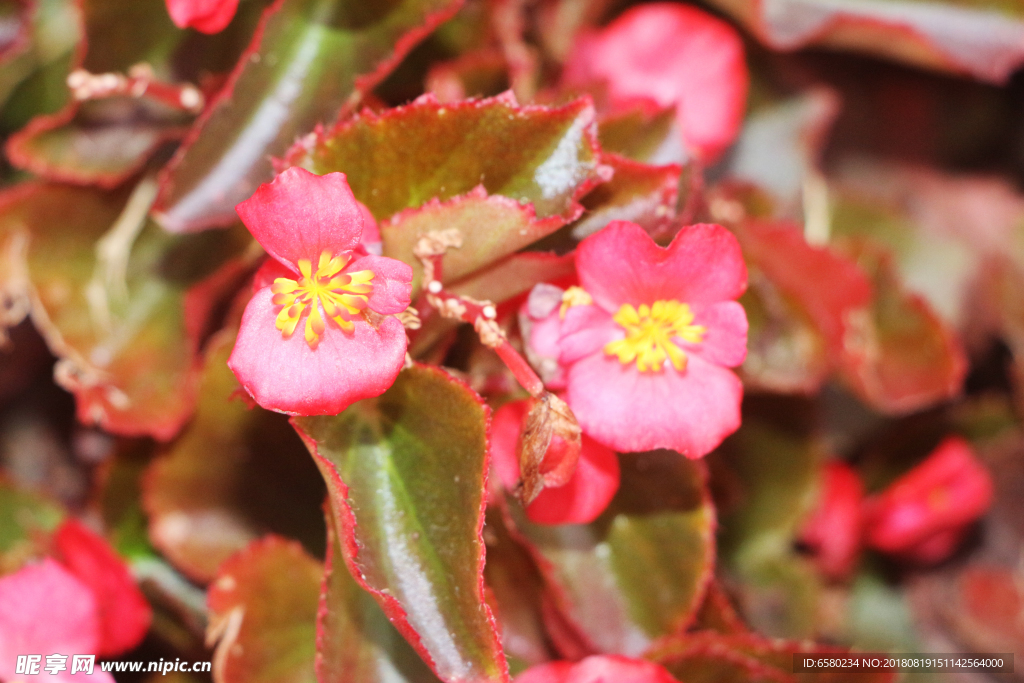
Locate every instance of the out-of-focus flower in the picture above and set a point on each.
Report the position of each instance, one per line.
(206, 16)
(598, 669)
(579, 501)
(833, 531)
(646, 339)
(677, 56)
(123, 613)
(350, 346)
(925, 513)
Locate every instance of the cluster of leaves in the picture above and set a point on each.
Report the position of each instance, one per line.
(391, 542)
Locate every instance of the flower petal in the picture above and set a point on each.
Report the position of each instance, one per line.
(598, 669)
(586, 330)
(268, 272)
(300, 214)
(45, 609)
(725, 341)
(287, 376)
(392, 283)
(621, 264)
(206, 16)
(628, 410)
(582, 499)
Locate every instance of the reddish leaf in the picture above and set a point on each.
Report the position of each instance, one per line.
(717, 613)
(639, 193)
(303, 65)
(515, 276)
(14, 27)
(406, 474)
(123, 613)
(263, 614)
(355, 642)
(640, 570)
(984, 39)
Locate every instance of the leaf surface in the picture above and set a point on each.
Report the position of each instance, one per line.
(308, 60)
(406, 474)
(640, 570)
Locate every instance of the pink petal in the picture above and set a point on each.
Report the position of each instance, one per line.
(124, 614)
(392, 283)
(598, 669)
(44, 610)
(582, 499)
(541, 327)
(628, 410)
(585, 331)
(300, 215)
(287, 376)
(206, 16)
(370, 240)
(675, 55)
(621, 264)
(268, 272)
(725, 342)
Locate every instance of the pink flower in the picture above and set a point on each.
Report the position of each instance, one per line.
(582, 499)
(46, 610)
(598, 669)
(833, 531)
(677, 56)
(323, 335)
(207, 16)
(646, 339)
(925, 514)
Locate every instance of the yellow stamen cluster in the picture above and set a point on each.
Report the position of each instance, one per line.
(574, 296)
(342, 296)
(651, 334)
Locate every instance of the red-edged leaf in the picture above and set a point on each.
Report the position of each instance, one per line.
(515, 275)
(263, 614)
(406, 473)
(305, 63)
(123, 613)
(115, 318)
(14, 27)
(639, 193)
(643, 132)
(900, 356)
(640, 570)
(984, 39)
(717, 612)
(203, 509)
(355, 641)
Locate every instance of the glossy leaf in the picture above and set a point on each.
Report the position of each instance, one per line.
(406, 474)
(309, 59)
(409, 155)
(203, 509)
(639, 193)
(263, 614)
(983, 38)
(355, 641)
(640, 570)
(117, 320)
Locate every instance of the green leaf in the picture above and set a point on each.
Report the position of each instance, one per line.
(355, 641)
(982, 38)
(405, 157)
(645, 133)
(640, 193)
(203, 509)
(640, 570)
(108, 290)
(309, 59)
(405, 474)
(263, 608)
(25, 519)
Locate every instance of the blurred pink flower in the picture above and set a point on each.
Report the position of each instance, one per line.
(206, 16)
(597, 669)
(677, 56)
(833, 530)
(588, 491)
(352, 347)
(645, 340)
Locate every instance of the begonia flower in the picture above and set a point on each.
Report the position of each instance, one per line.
(647, 338)
(678, 56)
(833, 530)
(598, 669)
(323, 335)
(925, 514)
(47, 610)
(206, 16)
(123, 613)
(582, 499)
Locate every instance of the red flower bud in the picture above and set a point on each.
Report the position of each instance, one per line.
(924, 514)
(833, 531)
